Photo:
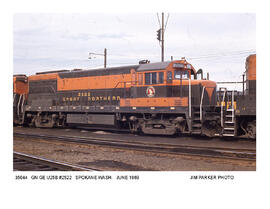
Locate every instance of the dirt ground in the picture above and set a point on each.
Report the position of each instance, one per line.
(111, 159)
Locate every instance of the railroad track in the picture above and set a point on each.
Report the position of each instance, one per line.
(202, 151)
(25, 162)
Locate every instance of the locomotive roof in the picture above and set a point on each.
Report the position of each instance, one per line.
(98, 72)
(109, 71)
(54, 71)
(114, 70)
(154, 66)
(19, 75)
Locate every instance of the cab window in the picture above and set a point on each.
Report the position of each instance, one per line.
(185, 75)
(160, 77)
(140, 80)
(177, 74)
(147, 78)
(169, 76)
(154, 78)
(181, 74)
(150, 78)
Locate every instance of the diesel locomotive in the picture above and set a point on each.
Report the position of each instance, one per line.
(245, 112)
(162, 98)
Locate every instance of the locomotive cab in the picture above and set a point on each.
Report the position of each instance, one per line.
(183, 70)
(171, 98)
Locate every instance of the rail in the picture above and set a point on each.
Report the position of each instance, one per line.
(203, 151)
(26, 162)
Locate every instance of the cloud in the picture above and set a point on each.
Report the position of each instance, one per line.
(87, 37)
(79, 36)
(48, 41)
(112, 36)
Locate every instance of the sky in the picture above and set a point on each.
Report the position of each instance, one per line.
(218, 43)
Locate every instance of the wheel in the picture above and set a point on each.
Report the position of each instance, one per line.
(251, 130)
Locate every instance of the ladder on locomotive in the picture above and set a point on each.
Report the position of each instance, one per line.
(227, 112)
(197, 116)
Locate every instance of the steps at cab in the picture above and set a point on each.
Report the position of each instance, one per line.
(196, 125)
(229, 123)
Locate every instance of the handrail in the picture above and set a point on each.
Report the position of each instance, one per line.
(124, 82)
(201, 103)
(232, 106)
(22, 103)
(189, 97)
(18, 107)
(223, 99)
(121, 82)
(228, 82)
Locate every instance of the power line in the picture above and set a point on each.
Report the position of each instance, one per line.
(235, 53)
(158, 20)
(231, 52)
(166, 21)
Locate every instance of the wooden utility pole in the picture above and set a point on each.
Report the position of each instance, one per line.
(162, 38)
(105, 58)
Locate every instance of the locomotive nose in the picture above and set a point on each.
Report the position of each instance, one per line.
(209, 87)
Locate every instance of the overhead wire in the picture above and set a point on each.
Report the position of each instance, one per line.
(158, 21)
(223, 54)
(226, 54)
(207, 56)
(166, 22)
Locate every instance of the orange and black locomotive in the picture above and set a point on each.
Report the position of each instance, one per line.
(154, 98)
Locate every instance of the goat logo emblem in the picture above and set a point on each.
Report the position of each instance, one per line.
(150, 91)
